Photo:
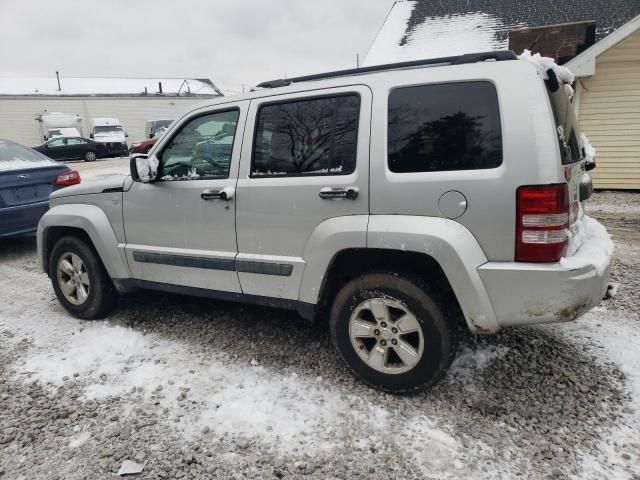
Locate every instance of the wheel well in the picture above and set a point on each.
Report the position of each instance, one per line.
(351, 263)
(53, 234)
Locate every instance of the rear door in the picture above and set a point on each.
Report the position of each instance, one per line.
(305, 160)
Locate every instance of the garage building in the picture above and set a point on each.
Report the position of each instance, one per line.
(132, 100)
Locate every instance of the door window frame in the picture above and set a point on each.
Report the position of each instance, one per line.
(188, 119)
(303, 98)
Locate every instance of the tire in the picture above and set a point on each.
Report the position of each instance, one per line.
(89, 156)
(406, 298)
(101, 297)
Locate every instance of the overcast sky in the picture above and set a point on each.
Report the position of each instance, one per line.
(230, 41)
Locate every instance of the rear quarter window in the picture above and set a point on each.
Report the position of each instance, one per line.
(444, 127)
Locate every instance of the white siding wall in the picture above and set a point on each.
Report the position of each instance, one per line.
(610, 115)
(17, 114)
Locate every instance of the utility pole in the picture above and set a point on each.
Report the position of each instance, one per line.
(357, 60)
(58, 77)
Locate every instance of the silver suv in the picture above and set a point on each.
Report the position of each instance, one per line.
(393, 202)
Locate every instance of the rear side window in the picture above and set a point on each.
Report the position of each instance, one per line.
(442, 127)
(314, 136)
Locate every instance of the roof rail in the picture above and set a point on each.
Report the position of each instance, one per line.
(498, 56)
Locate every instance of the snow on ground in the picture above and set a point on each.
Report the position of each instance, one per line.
(196, 391)
(612, 337)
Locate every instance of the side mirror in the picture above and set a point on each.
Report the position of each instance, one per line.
(143, 168)
(91, 135)
(126, 134)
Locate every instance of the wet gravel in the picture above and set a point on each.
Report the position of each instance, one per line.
(528, 402)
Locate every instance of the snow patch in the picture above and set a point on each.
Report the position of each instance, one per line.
(589, 150)
(589, 244)
(438, 36)
(79, 439)
(542, 64)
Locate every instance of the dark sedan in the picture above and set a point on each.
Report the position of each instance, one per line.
(26, 180)
(72, 148)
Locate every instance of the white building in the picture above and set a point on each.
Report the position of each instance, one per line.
(132, 100)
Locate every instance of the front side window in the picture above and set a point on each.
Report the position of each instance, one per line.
(444, 127)
(201, 149)
(75, 141)
(316, 136)
(58, 142)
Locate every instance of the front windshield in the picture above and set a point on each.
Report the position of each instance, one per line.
(108, 130)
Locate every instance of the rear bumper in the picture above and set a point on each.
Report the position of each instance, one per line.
(21, 220)
(529, 293)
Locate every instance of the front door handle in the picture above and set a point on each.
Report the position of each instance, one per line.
(226, 193)
(350, 193)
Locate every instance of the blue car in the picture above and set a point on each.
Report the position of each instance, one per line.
(26, 180)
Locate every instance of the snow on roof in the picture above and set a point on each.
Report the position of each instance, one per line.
(419, 29)
(436, 37)
(88, 86)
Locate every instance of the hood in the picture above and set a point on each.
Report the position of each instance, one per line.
(90, 186)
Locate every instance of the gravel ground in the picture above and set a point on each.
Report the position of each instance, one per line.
(201, 389)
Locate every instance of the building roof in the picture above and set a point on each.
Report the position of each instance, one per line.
(105, 86)
(584, 64)
(434, 28)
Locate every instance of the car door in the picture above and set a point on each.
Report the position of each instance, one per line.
(305, 161)
(55, 149)
(180, 230)
(74, 149)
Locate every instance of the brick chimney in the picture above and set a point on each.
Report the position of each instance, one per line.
(561, 42)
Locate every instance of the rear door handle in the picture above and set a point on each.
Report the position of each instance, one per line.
(226, 193)
(350, 193)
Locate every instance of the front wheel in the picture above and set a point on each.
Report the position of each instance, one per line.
(391, 332)
(80, 281)
(89, 156)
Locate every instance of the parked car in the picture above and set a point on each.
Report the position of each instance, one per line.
(392, 202)
(72, 148)
(110, 133)
(26, 180)
(144, 146)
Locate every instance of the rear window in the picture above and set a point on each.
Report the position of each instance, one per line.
(444, 127)
(565, 121)
(14, 156)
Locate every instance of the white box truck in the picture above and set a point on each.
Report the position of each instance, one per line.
(58, 124)
(111, 133)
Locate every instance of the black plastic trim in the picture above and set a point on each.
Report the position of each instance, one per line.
(248, 266)
(304, 309)
(113, 190)
(185, 261)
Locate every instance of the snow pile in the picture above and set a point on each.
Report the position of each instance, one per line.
(542, 64)
(443, 454)
(589, 150)
(589, 244)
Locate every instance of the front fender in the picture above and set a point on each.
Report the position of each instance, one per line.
(93, 221)
(454, 248)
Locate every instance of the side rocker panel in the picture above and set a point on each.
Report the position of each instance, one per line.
(453, 247)
(94, 222)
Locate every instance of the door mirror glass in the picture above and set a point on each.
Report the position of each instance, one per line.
(144, 168)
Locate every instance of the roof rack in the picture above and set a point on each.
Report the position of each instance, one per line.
(498, 56)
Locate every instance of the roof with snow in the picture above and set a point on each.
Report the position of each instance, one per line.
(106, 86)
(426, 28)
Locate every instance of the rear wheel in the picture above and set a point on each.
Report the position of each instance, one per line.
(89, 156)
(391, 332)
(79, 279)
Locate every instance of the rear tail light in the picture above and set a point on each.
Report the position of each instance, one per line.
(542, 223)
(70, 177)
